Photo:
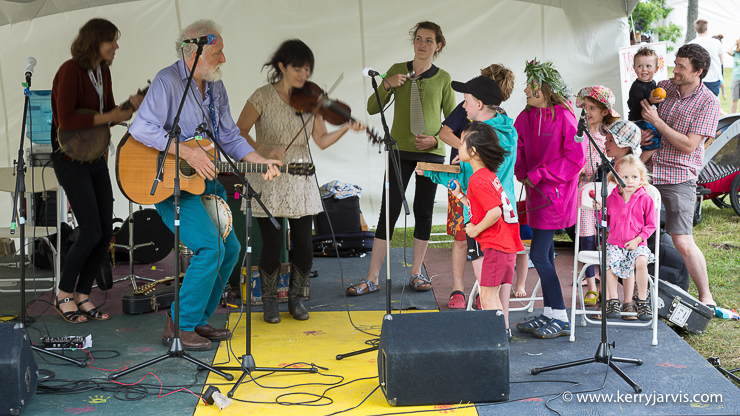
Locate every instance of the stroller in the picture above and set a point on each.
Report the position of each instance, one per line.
(718, 178)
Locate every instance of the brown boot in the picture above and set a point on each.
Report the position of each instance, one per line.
(298, 281)
(190, 340)
(207, 331)
(270, 295)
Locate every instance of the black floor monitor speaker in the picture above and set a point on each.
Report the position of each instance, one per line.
(444, 358)
(18, 369)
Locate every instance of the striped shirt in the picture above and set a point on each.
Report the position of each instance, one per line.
(696, 113)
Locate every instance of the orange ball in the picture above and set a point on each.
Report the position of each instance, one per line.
(659, 93)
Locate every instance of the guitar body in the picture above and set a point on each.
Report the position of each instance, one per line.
(136, 169)
(84, 145)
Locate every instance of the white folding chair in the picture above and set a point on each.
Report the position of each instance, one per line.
(38, 179)
(590, 258)
(529, 306)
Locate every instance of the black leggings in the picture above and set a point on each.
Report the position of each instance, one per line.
(423, 202)
(300, 238)
(88, 188)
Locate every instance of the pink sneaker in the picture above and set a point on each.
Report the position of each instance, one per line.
(457, 300)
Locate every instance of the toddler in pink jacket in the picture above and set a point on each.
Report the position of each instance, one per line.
(631, 220)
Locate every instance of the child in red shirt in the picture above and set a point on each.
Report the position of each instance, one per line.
(493, 221)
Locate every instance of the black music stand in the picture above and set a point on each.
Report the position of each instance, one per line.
(19, 212)
(389, 143)
(604, 351)
(176, 349)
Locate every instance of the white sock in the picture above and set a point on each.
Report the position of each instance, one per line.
(560, 315)
(547, 312)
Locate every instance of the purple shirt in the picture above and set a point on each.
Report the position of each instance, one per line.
(627, 220)
(157, 112)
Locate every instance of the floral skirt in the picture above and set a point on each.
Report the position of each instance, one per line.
(622, 261)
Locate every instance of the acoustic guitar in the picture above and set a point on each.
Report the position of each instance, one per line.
(85, 145)
(136, 170)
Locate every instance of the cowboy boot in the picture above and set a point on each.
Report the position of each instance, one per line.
(298, 281)
(270, 295)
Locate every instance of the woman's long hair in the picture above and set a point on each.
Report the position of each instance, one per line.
(86, 46)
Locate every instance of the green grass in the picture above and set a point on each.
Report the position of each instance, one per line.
(718, 236)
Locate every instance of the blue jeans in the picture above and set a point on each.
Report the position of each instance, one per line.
(213, 258)
(542, 254)
(714, 86)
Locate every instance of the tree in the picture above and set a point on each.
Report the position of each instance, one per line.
(691, 17)
(646, 15)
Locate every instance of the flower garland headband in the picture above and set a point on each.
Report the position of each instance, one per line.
(537, 73)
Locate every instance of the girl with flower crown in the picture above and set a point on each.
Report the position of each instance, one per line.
(547, 163)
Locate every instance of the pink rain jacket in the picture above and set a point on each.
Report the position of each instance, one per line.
(548, 155)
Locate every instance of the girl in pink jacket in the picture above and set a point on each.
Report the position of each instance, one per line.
(630, 214)
(548, 162)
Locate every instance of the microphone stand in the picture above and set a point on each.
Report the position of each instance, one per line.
(248, 364)
(19, 214)
(390, 155)
(603, 352)
(176, 349)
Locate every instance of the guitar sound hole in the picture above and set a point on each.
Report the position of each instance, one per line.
(186, 169)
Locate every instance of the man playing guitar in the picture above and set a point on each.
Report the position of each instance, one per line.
(207, 103)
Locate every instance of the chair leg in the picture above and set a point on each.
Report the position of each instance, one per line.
(471, 297)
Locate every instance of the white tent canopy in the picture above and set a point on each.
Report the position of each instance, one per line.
(582, 37)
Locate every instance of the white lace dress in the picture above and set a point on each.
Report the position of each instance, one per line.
(288, 196)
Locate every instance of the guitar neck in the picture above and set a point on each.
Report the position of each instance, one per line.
(246, 167)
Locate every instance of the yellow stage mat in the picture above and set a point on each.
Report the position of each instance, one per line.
(317, 341)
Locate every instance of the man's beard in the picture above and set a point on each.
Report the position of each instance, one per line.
(212, 73)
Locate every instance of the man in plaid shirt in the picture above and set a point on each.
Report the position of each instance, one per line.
(687, 116)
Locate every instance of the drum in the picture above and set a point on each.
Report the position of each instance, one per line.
(220, 213)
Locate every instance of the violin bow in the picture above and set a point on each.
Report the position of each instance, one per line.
(320, 103)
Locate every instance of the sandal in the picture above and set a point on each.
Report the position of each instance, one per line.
(629, 307)
(591, 301)
(457, 300)
(420, 283)
(70, 316)
(356, 290)
(92, 313)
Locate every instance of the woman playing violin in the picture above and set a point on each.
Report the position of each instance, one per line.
(288, 196)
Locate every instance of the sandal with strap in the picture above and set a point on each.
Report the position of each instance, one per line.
(591, 301)
(356, 290)
(70, 316)
(420, 283)
(93, 313)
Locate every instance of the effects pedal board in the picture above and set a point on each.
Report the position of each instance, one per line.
(65, 342)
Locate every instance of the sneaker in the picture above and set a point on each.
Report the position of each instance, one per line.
(644, 310)
(613, 309)
(555, 328)
(509, 335)
(457, 300)
(532, 323)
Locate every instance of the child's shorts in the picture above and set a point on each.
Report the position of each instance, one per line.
(474, 249)
(497, 268)
(655, 141)
(622, 261)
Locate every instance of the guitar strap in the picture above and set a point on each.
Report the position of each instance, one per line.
(98, 85)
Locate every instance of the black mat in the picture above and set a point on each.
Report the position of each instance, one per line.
(327, 289)
(672, 367)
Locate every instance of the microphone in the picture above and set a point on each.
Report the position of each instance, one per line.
(203, 40)
(369, 72)
(582, 126)
(30, 63)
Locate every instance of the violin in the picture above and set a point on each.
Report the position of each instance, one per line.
(312, 99)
